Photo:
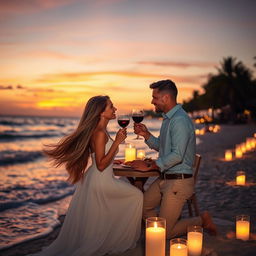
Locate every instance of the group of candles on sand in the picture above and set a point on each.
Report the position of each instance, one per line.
(248, 146)
(209, 128)
(192, 246)
(156, 241)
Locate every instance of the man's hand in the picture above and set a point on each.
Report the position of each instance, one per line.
(140, 165)
(117, 161)
(142, 130)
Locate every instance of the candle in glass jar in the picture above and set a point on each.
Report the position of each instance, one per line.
(130, 153)
(243, 147)
(248, 144)
(178, 247)
(238, 152)
(240, 178)
(228, 155)
(243, 227)
(155, 236)
(195, 240)
(141, 154)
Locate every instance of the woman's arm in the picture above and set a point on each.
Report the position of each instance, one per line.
(103, 160)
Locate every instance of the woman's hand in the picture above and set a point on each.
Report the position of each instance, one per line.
(121, 135)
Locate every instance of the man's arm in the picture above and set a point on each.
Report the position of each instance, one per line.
(150, 140)
(180, 135)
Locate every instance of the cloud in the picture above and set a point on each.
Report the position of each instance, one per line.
(86, 76)
(48, 54)
(13, 7)
(11, 87)
(7, 87)
(178, 64)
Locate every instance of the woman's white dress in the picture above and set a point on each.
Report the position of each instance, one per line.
(104, 216)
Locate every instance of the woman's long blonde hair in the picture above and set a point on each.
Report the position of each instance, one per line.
(74, 149)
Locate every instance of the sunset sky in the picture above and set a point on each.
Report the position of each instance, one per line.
(57, 54)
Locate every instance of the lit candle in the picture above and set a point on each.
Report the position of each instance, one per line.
(243, 227)
(141, 154)
(252, 141)
(178, 247)
(195, 240)
(238, 152)
(240, 178)
(228, 155)
(197, 131)
(155, 236)
(243, 147)
(248, 144)
(202, 131)
(130, 153)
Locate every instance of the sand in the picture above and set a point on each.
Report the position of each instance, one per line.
(216, 192)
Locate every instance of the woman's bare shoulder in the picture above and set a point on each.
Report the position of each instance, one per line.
(99, 134)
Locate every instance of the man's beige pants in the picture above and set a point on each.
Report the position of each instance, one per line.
(171, 196)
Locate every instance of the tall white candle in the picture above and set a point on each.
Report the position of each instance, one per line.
(195, 240)
(155, 239)
(130, 153)
(238, 152)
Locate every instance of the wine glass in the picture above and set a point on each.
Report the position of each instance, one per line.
(137, 116)
(123, 120)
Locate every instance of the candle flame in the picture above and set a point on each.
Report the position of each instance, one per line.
(155, 224)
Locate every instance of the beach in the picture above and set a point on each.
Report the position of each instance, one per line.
(216, 193)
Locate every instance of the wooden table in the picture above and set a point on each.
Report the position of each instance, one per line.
(136, 177)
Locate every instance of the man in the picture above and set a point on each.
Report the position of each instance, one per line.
(177, 147)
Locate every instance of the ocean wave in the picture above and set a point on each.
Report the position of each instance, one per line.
(53, 196)
(26, 223)
(19, 136)
(9, 157)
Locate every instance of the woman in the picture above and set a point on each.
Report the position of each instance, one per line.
(104, 216)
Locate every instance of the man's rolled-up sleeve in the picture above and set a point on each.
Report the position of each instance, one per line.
(153, 142)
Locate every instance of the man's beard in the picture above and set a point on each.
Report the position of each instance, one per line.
(157, 110)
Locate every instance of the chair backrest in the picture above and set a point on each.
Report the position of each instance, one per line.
(196, 166)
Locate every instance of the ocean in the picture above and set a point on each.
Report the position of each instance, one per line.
(33, 194)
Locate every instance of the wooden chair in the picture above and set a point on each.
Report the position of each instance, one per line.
(192, 201)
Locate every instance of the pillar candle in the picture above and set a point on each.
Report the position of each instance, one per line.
(178, 247)
(238, 152)
(248, 144)
(155, 240)
(243, 227)
(228, 155)
(130, 153)
(195, 240)
(240, 178)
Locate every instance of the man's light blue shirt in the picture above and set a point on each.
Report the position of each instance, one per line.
(176, 143)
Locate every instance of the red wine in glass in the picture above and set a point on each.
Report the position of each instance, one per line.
(137, 116)
(123, 121)
(137, 119)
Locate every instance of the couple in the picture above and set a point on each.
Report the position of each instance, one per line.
(104, 216)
